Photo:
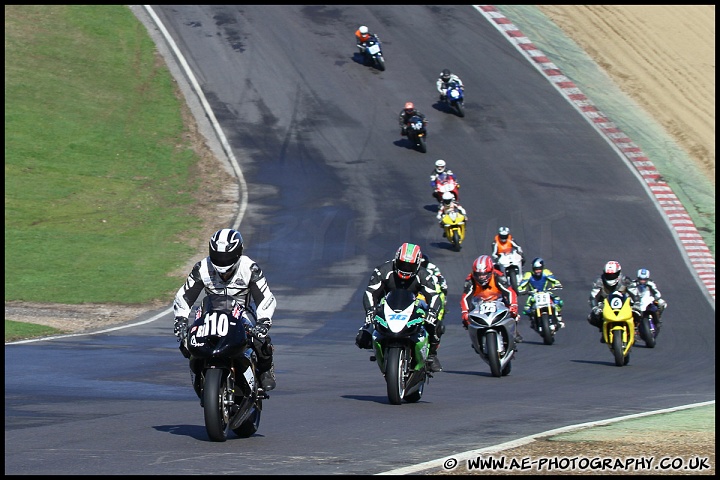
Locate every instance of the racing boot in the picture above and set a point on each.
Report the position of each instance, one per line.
(560, 322)
(267, 379)
(518, 337)
(432, 362)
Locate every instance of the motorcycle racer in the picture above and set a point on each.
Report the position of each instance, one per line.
(440, 175)
(442, 287)
(362, 35)
(488, 283)
(540, 279)
(227, 270)
(449, 204)
(406, 114)
(404, 271)
(643, 281)
(442, 83)
(611, 280)
(503, 243)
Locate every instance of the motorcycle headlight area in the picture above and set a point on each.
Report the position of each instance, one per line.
(397, 324)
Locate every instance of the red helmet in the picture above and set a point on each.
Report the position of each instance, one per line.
(482, 269)
(407, 260)
(409, 107)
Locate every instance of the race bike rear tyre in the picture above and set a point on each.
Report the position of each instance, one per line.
(394, 376)
(456, 241)
(547, 334)
(250, 426)
(646, 332)
(492, 351)
(617, 347)
(215, 393)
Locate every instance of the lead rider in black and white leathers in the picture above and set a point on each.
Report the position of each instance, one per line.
(227, 271)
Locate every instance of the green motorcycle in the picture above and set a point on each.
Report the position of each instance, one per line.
(401, 345)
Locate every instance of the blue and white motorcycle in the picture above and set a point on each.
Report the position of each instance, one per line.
(455, 97)
(373, 53)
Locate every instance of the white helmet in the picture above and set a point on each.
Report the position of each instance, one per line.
(447, 198)
(363, 30)
(440, 166)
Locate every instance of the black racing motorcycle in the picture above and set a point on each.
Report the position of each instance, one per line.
(224, 365)
(416, 132)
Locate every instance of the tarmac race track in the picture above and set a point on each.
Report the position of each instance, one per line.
(332, 191)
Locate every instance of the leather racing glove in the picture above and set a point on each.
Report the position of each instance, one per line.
(180, 328)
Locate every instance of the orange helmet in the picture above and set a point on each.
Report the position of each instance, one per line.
(409, 106)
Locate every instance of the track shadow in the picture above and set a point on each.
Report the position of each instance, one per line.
(358, 57)
(373, 398)
(408, 144)
(198, 432)
(474, 373)
(610, 363)
(443, 107)
(443, 245)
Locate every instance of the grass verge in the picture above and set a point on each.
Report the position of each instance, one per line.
(100, 172)
(20, 331)
(97, 170)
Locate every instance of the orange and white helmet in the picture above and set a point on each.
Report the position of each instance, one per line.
(409, 107)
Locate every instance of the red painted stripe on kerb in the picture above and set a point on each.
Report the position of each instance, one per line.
(691, 240)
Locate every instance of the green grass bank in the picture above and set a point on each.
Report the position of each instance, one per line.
(98, 174)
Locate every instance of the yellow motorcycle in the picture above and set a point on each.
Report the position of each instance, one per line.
(454, 225)
(618, 326)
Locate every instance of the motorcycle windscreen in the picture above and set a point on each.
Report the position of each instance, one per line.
(398, 309)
